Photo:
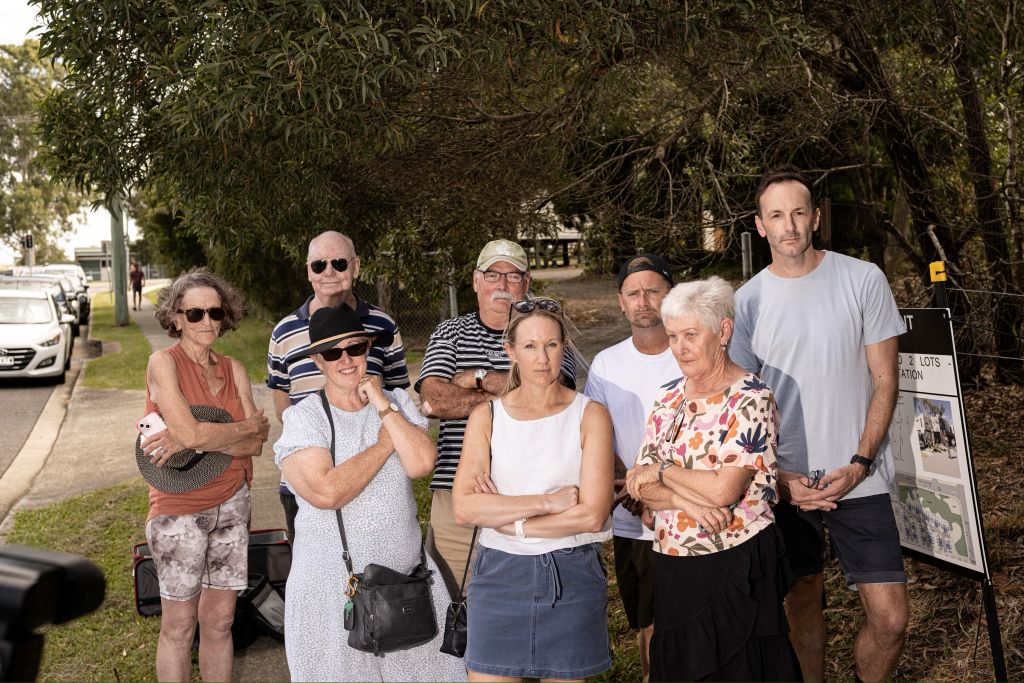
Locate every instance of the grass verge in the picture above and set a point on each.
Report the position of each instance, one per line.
(249, 345)
(125, 369)
(113, 643)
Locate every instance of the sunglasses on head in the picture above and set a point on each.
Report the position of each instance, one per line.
(353, 351)
(320, 265)
(194, 315)
(531, 305)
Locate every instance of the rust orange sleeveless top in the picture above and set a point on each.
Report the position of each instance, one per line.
(196, 391)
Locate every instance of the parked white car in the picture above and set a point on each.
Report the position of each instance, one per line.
(35, 337)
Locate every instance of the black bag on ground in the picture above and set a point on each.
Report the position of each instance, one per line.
(386, 609)
(259, 609)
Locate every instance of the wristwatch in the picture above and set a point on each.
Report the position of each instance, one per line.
(868, 463)
(479, 377)
(392, 408)
(661, 470)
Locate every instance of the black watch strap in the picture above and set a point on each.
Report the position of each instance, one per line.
(868, 463)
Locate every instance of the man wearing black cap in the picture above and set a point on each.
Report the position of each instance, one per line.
(626, 377)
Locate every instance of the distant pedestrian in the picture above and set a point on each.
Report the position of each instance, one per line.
(627, 378)
(466, 365)
(332, 267)
(138, 280)
(199, 537)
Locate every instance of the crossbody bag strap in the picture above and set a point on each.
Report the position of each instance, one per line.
(341, 522)
(472, 541)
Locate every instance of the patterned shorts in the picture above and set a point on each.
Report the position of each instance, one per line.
(207, 549)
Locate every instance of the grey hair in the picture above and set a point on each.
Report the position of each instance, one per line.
(170, 298)
(710, 301)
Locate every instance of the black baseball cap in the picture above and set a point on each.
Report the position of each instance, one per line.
(640, 262)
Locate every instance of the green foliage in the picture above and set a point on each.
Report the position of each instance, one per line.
(248, 344)
(126, 368)
(423, 128)
(29, 201)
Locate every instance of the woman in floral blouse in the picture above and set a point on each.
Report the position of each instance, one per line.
(707, 469)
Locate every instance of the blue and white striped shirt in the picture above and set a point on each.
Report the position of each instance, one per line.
(299, 376)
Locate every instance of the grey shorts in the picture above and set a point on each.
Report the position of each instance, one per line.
(208, 549)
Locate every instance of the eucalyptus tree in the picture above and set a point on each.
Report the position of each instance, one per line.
(29, 202)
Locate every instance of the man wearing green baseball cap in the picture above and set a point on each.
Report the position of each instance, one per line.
(465, 364)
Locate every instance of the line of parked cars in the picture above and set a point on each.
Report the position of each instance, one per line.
(42, 310)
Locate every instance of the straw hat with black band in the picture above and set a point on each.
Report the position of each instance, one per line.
(334, 324)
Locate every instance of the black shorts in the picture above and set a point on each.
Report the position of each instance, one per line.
(634, 574)
(863, 532)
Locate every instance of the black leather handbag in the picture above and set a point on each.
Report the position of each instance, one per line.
(386, 610)
(456, 627)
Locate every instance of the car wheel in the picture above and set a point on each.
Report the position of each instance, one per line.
(67, 363)
(62, 377)
(75, 330)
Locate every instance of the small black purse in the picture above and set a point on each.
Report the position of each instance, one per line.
(386, 610)
(456, 626)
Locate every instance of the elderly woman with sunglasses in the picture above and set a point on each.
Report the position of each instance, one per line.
(707, 467)
(381, 444)
(199, 538)
(536, 475)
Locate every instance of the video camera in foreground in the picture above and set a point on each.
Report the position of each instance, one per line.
(39, 587)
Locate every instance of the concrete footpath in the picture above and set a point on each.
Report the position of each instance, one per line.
(93, 447)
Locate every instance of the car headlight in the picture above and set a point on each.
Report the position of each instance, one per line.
(51, 341)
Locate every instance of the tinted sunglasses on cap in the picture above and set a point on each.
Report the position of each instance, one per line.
(194, 315)
(353, 351)
(320, 265)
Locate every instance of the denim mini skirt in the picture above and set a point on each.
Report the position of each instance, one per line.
(538, 616)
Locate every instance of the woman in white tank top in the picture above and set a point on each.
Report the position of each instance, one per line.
(536, 475)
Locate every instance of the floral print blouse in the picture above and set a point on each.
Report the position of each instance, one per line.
(736, 428)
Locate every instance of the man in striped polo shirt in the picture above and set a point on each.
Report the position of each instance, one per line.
(332, 267)
(465, 364)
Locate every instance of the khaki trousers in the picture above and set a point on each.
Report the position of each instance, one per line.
(447, 542)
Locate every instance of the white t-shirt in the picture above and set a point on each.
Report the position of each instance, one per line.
(805, 337)
(628, 382)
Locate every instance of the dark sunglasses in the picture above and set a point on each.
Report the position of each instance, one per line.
(320, 265)
(531, 305)
(194, 315)
(353, 351)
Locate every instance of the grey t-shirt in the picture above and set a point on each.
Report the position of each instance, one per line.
(805, 337)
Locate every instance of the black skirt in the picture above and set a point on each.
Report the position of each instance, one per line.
(719, 617)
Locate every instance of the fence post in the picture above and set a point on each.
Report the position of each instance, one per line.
(937, 270)
(453, 301)
(747, 256)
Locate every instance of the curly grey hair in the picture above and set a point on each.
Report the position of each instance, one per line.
(170, 298)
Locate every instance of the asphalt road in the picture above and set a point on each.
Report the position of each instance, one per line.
(21, 401)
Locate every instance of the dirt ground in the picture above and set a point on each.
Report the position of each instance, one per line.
(948, 637)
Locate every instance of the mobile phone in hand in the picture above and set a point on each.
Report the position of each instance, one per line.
(151, 425)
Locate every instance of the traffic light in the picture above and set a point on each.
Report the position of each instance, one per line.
(27, 241)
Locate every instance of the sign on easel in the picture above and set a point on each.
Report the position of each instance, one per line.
(934, 494)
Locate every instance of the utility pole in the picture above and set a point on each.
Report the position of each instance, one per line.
(119, 271)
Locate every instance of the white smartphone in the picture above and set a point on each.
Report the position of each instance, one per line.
(151, 425)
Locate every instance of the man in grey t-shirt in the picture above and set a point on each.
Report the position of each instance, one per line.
(821, 329)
